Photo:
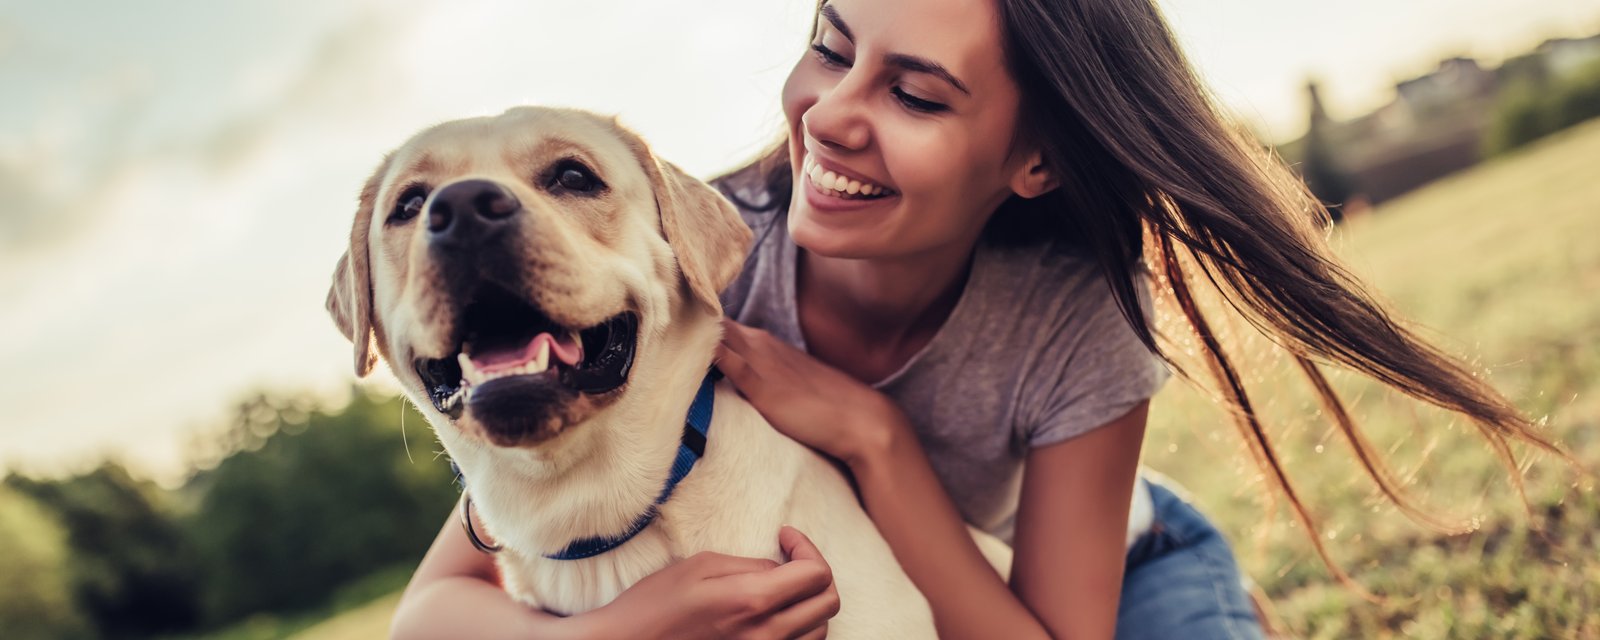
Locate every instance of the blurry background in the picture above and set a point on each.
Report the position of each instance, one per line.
(186, 451)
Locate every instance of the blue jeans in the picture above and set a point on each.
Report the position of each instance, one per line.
(1182, 581)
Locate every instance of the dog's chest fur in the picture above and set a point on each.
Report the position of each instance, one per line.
(733, 502)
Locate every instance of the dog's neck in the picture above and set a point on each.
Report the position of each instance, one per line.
(597, 480)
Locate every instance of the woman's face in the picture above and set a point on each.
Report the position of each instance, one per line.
(901, 121)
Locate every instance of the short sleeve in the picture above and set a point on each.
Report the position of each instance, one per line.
(1092, 368)
(741, 189)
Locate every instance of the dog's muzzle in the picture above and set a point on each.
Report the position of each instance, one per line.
(511, 364)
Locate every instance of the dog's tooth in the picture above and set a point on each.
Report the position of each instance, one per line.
(468, 371)
(541, 360)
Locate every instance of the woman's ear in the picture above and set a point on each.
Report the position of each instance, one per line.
(1034, 177)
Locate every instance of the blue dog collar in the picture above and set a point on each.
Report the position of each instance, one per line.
(696, 426)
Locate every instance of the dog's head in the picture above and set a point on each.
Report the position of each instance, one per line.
(512, 270)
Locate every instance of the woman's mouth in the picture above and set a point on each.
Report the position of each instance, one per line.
(837, 186)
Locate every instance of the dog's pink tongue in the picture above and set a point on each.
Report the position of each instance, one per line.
(492, 360)
(566, 349)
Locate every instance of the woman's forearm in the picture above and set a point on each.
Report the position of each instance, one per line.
(468, 607)
(929, 538)
(455, 593)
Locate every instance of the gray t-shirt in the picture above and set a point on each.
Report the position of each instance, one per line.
(1034, 353)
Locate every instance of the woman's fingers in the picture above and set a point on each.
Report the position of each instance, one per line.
(738, 371)
(753, 343)
(716, 565)
(805, 574)
(806, 567)
(816, 634)
(735, 335)
(807, 618)
(796, 546)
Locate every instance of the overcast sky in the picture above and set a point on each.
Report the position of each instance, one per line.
(177, 177)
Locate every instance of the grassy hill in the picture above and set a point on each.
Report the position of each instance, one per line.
(1501, 263)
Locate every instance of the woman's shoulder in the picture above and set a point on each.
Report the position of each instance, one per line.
(763, 270)
(1045, 280)
(1083, 362)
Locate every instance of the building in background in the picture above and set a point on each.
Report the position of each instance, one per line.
(1445, 121)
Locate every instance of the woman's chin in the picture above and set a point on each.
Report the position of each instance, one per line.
(830, 238)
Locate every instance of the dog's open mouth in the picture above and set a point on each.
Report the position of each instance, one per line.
(506, 341)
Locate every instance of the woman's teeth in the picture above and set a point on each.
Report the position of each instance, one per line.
(840, 185)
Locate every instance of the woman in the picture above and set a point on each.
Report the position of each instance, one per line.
(948, 285)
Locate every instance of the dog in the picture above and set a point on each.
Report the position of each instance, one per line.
(546, 290)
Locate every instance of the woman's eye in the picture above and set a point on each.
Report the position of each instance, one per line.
(409, 204)
(918, 104)
(571, 175)
(829, 57)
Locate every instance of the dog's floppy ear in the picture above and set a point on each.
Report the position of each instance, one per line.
(703, 228)
(350, 297)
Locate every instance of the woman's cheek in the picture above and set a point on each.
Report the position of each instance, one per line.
(937, 174)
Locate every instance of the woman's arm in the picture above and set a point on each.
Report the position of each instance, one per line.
(1070, 537)
(1071, 524)
(456, 594)
(1072, 527)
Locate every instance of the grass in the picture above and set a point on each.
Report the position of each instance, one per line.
(358, 610)
(1501, 264)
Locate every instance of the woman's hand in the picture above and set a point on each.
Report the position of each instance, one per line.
(805, 399)
(711, 595)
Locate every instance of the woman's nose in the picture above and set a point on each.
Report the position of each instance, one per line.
(838, 118)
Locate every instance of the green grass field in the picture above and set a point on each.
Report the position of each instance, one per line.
(1501, 264)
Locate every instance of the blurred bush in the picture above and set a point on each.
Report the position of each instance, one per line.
(1534, 105)
(311, 500)
(290, 504)
(130, 569)
(35, 596)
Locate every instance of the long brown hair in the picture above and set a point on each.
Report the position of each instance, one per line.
(1150, 171)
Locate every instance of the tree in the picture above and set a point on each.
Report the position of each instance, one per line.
(35, 597)
(313, 500)
(129, 566)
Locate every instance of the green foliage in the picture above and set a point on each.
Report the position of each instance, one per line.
(130, 568)
(1532, 106)
(310, 500)
(35, 597)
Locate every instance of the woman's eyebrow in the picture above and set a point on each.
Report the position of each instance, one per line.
(924, 65)
(904, 61)
(832, 15)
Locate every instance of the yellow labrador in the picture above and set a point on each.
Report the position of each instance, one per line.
(546, 289)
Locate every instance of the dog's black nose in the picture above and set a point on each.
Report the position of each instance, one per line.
(470, 210)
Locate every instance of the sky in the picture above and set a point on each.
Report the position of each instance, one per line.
(178, 177)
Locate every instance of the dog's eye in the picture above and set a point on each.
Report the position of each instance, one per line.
(409, 204)
(571, 175)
